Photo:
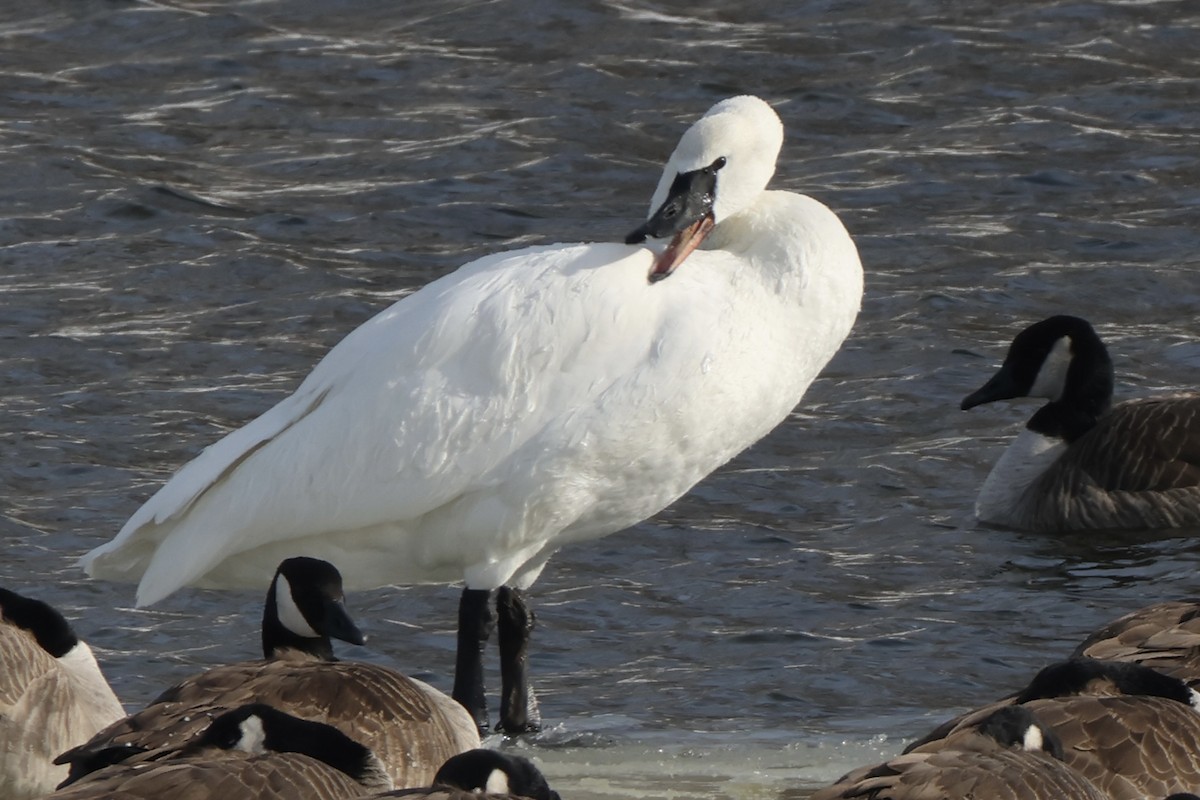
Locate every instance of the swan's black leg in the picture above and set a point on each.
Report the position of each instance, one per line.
(518, 707)
(475, 622)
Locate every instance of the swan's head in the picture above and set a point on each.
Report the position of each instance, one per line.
(721, 165)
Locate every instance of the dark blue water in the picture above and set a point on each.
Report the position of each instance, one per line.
(200, 198)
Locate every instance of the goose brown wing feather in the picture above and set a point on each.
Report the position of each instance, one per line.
(1159, 446)
(1164, 636)
(1000, 774)
(1128, 746)
(441, 793)
(410, 726)
(935, 739)
(1139, 467)
(229, 776)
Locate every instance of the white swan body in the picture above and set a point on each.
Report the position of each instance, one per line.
(528, 400)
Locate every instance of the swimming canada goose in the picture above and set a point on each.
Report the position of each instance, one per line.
(1081, 462)
(52, 695)
(1164, 637)
(1131, 731)
(529, 400)
(1007, 755)
(254, 752)
(483, 774)
(412, 727)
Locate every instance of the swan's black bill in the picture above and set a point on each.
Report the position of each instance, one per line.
(686, 216)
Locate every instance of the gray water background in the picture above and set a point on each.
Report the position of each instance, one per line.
(200, 198)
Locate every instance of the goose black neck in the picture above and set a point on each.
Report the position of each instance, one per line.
(283, 733)
(1078, 676)
(1088, 390)
(1010, 726)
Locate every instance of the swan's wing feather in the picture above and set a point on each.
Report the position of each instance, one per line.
(447, 378)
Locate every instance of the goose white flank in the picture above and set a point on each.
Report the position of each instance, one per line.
(528, 400)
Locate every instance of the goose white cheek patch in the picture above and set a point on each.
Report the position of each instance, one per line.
(1052, 377)
(289, 612)
(254, 738)
(1033, 741)
(497, 782)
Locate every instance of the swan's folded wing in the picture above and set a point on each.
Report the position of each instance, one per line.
(422, 404)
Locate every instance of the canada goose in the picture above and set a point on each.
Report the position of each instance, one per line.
(1164, 637)
(412, 727)
(1130, 747)
(482, 774)
(1074, 677)
(1082, 463)
(1131, 731)
(526, 401)
(1008, 754)
(254, 752)
(52, 695)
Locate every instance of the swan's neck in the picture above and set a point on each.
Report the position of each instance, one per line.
(793, 241)
(1026, 458)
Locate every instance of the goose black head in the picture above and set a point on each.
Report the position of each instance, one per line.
(494, 772)
(305, 608)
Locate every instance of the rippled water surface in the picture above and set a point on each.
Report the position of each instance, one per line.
(200, 198)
